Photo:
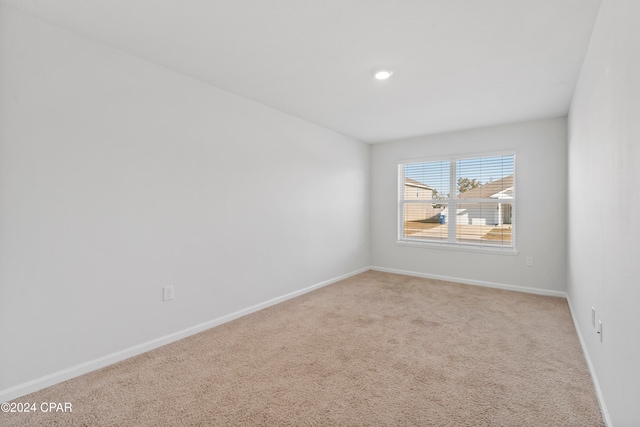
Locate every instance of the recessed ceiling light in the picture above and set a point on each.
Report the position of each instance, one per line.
(382, 74)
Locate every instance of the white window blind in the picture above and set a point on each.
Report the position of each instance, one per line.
(459, 202)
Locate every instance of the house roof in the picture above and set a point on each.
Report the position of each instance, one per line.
(501, 188)
(413, 183)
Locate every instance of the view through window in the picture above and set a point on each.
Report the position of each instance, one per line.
(460, 201)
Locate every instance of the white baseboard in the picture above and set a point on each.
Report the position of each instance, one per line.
(475, 282)
(594, 378)
(92, 365)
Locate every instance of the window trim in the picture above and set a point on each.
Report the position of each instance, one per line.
(451, 244)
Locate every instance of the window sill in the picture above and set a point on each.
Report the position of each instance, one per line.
(459, 247)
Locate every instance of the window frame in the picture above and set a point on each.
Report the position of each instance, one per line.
(451, 243)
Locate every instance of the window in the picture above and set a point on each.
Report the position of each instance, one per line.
(464, 202)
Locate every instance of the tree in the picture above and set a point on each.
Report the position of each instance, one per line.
(437, 196)
(465, 184)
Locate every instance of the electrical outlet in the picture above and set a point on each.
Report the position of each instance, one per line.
(528, 261)
(593, 317)
(600, 329)
(167, 293)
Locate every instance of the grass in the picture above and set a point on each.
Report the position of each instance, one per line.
(412, 227)
(498, 233)
(469, 232)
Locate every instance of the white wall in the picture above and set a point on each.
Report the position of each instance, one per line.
(541, 207)
(118, 177)
(604, 204)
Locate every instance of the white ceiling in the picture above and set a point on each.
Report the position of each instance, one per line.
(458, 63)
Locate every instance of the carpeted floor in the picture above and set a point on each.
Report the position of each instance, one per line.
(376, 349)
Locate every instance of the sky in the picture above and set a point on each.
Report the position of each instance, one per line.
(484, 169)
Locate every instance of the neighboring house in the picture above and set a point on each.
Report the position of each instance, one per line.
(416, 190)
(487, 213)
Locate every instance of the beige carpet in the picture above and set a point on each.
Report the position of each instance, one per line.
(375, 349)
